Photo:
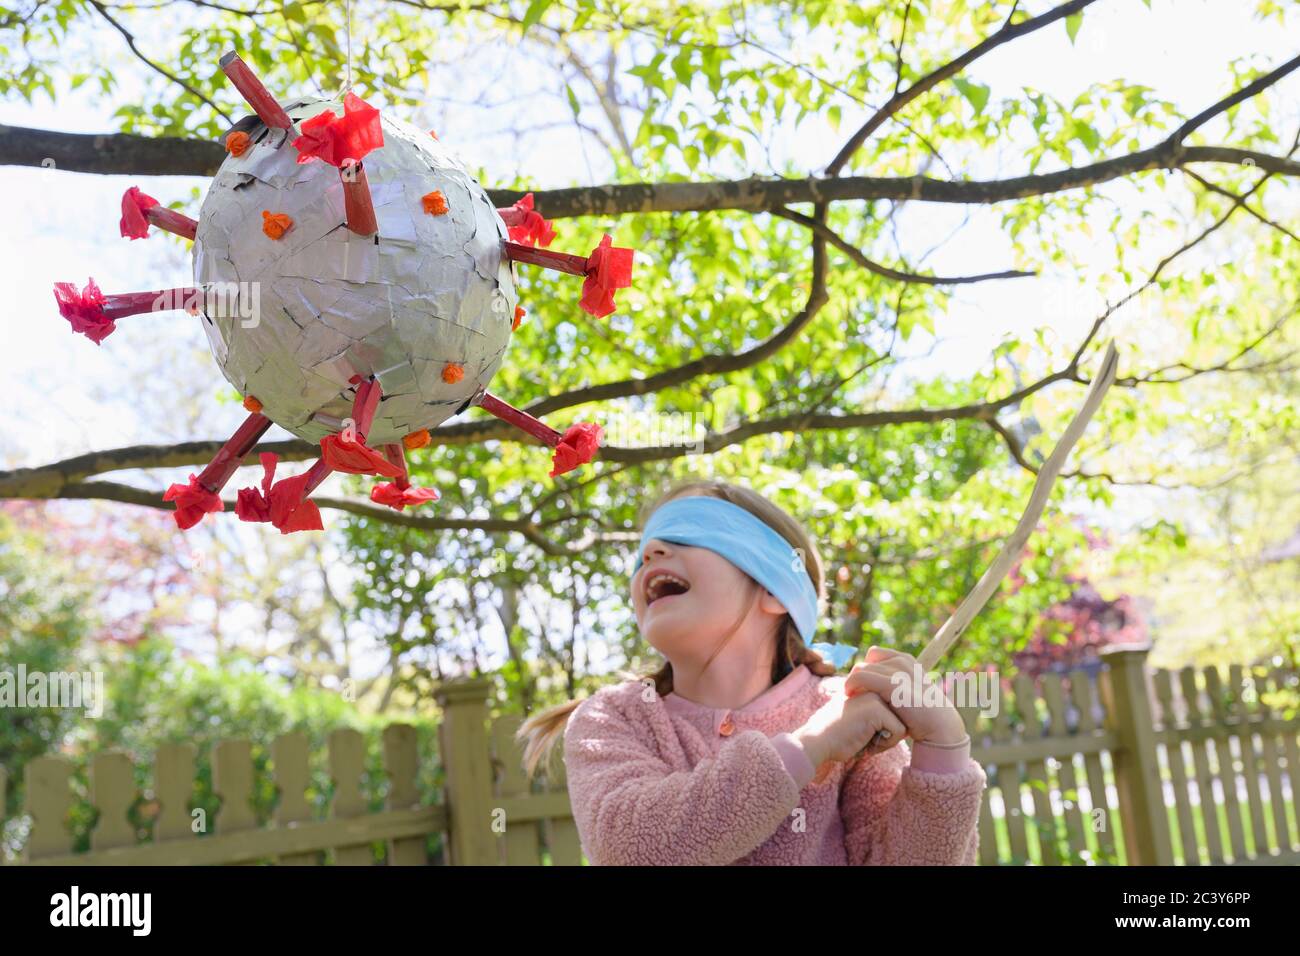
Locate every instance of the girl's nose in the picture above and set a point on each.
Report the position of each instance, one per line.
(656, 548)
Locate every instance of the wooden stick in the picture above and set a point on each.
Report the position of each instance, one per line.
(974, 602)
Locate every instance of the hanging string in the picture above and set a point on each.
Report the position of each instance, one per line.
(347, 34)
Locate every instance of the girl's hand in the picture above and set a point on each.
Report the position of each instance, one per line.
(841, 727)
(893, 676)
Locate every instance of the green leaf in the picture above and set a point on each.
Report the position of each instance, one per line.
(682, 66)
(1134, 99)
(976, 93)
(534, 13)
(1085, 134)
(1072, 24)
(573, 100)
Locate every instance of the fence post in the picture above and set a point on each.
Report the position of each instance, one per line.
(1137, 768)
(467, 764)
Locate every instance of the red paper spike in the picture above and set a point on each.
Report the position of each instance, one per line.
(94, 314)
(399, 493)
(358, 205)
(389, 494)
(193, 501)
(526, 225)
(340, 140)
(133, 224)
(576, 448)
(353, 457)
(281, 503)
(348, 452)
(85, 310)
(203, 493)
(396, 454)
(170, 220)
(520, 419)
(254, 505)
(317, 473)
(364, 404)
(609, 267)
(230, 456)
(257, 96)
(139, 211)
(291, 509)
(123, 304)
(546, 258)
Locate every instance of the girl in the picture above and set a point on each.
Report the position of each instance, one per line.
(740, 749)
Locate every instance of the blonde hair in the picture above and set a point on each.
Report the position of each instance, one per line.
(541, 731)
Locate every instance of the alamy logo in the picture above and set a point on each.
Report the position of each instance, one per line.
(103, 909)
(38, 689)
(241, 300)
(979, 690)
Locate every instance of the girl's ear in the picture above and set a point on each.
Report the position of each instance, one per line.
(770, 604)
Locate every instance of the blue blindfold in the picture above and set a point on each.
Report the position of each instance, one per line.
(702, 521)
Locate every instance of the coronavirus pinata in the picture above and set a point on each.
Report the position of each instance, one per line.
(357, 287)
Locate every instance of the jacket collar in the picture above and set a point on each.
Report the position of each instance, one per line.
(770, 699)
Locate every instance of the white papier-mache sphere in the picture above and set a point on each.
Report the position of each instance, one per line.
(424, 292)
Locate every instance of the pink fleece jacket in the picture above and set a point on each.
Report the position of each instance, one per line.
(666, 781)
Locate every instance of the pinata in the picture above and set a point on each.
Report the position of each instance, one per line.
(357, 286)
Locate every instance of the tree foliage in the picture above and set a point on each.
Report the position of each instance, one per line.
(784, 338)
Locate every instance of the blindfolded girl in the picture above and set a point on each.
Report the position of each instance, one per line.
(746, 748)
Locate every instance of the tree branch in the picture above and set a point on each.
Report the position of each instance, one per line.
(54, 480)
(858, 256)
(1213, 187)
(162, 71)
(949, 69)
(129, 154)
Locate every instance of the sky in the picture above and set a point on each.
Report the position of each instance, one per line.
(67, 396)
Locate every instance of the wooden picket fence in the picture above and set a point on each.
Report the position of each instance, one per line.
(1079, 770)
(1150, 753)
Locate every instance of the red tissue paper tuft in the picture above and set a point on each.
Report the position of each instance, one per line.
(339, 140)
(355, 458)
(609, 267)
(387, 493)
(534, 230)
(193, 501)
(84, 309)
(280, 502)
(577, 447)
(134, 224)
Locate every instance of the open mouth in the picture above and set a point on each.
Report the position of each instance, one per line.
(663, 584)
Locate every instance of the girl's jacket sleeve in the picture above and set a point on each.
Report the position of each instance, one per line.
(897, 814)
(632, 807)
